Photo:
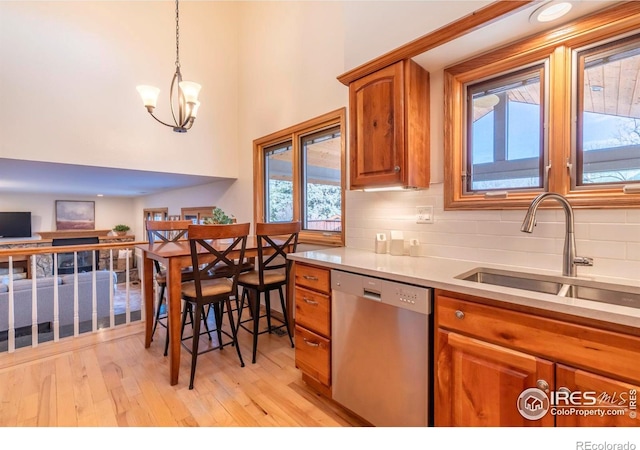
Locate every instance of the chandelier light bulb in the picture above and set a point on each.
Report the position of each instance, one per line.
(149, 95)
(194, 109)
(190, 90)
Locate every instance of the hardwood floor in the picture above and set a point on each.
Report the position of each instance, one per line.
(109, 379)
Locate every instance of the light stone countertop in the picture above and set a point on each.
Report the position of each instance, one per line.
(440, 273)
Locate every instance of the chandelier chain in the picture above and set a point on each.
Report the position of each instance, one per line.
(177, 35)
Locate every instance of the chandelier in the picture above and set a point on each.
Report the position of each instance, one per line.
(187, 94)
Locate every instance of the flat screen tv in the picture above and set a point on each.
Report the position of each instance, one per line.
(15, 224)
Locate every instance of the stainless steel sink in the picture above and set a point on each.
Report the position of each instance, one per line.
(518, 280)
(557, 285)
(614, 295)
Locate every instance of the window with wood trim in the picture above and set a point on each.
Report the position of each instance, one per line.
(505, 148)
(607, 149)
(584, 141)
(299, 174)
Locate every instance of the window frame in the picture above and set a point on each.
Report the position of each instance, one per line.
(610, 46)
(557, 45)
(542, 67)
(294, 135)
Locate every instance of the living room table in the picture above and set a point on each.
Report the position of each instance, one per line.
(174, 256)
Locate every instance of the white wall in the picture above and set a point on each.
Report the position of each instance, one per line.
(108, 211)
(290, 55)
(68, 78)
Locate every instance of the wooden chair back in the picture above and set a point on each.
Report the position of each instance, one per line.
(167, 230)
(224, 248)
(280, 239)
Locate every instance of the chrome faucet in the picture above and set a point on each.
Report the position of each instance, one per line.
(570, 260)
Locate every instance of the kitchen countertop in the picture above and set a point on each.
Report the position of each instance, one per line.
(440, 273)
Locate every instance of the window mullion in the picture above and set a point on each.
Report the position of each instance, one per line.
(297, 177)
(560, 116)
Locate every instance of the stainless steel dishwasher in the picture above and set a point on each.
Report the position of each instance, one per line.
(380, 349)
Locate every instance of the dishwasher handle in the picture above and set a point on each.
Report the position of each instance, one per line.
(371, 295)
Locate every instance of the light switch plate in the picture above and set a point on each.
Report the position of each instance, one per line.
(424, 214)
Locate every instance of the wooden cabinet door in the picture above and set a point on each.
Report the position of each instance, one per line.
(377, 150)
(478, 384)
(617, 400)
(313, 355)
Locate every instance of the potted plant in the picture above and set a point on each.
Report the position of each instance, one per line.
(218, 217)
(121, 229)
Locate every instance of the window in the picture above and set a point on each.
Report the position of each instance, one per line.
(556, 112)
(153, 214)
(278, 169)
(197, 214)
(607, 147)
(505, 132)
(299, 175)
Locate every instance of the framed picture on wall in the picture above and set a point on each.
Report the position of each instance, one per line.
(75, 215)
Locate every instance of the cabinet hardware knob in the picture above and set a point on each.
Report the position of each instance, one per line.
(542, 385)
(309, 301)
(459, 314)
(396, 169)
(311, 343)
(310, 278)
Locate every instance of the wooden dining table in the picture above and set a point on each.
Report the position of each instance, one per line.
(175, 256)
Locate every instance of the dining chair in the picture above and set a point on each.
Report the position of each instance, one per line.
(213, 246)
(275, 241)
(162, 232)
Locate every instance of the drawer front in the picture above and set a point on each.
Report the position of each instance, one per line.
(313, 277)
(601, 351)
(313, 355)
(313, 311)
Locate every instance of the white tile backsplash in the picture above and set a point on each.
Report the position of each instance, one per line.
(611, 237)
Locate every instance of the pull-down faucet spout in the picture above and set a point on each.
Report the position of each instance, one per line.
(569, 259)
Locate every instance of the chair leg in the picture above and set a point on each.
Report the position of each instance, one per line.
(284, 313)
(206, 326)
(240, 308)
(256, 322)
(160, 302)
(267, 305)
(234, 331)
(194, 349)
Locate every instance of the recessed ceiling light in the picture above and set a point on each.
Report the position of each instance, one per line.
(550, 11)
(100, 195)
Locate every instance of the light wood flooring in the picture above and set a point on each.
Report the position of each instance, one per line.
(108, 379)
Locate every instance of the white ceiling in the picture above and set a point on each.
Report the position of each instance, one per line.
(20, 176)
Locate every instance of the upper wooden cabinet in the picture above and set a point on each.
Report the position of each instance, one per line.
(389, 117)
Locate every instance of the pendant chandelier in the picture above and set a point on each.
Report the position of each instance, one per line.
(186, 91)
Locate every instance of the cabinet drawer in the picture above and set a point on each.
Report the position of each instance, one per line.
(313, 311)
(603, 351)
(313, 277)
(313, 353)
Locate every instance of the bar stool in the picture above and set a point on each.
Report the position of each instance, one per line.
(275, 240)
(210, 247)
(163, 232)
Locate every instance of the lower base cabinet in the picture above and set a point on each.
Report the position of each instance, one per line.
(497, 367)
(313, 325)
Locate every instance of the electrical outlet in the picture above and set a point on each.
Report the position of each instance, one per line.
(424, 214)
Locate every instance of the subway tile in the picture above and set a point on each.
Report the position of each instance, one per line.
(614, 232)
(601, 249)
(633, 252)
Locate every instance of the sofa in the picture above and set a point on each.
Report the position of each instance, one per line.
(22, 292)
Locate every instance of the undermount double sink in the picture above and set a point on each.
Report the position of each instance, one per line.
(557, 285)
